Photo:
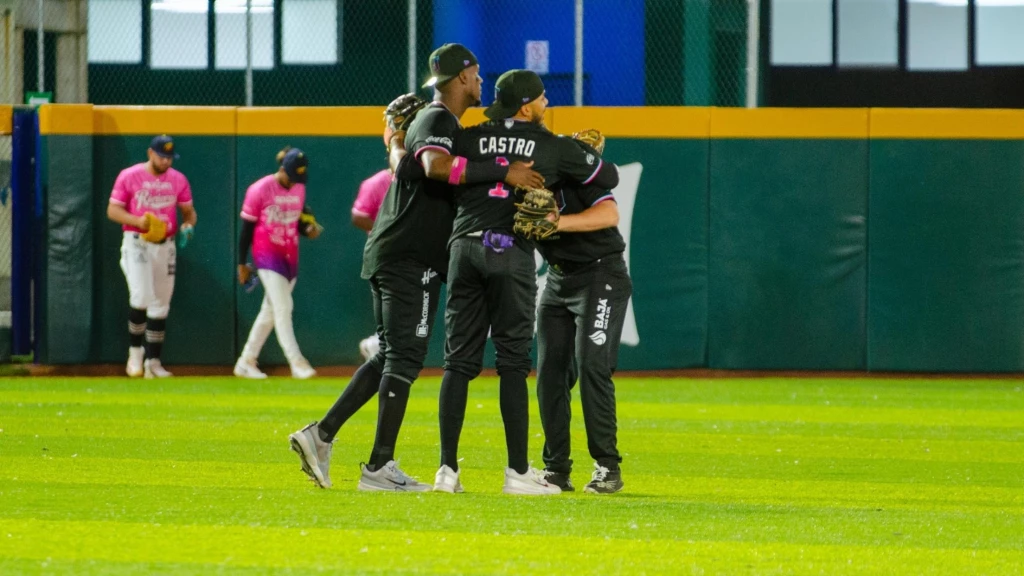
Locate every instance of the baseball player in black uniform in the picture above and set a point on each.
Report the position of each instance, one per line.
(579, 324)
(406, 259)
(492, 279)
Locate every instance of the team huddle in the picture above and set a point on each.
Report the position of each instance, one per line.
(467, 207)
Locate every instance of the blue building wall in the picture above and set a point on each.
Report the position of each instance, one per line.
(613, 52)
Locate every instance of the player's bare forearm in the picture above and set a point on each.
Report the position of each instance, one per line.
(397, 152)
(117, 213)
(437, 165)
(597, 217)
(362, 221)
(188, 214)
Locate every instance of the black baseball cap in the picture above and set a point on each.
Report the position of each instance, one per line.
(295, 163)
(163, 146)
(447, 61)
(512, 90)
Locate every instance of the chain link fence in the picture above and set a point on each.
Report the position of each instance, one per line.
(358, 52)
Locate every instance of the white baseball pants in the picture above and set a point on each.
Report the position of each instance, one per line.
(275, 314)
(149, 270)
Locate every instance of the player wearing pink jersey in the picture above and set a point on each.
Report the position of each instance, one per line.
(364, 213)
(270, 225)
(150, 187)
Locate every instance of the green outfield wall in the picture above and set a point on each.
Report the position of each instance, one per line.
(757, 239)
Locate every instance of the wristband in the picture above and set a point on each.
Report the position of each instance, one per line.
(458, 167)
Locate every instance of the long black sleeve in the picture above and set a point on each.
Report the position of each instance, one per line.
(245, 241)
(607, 177)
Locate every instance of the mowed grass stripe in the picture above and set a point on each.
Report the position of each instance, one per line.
(958, 417)
(219, 424)
(893, 393)
(467, 553)
(69, 498)
(682, 482)
(215, 442)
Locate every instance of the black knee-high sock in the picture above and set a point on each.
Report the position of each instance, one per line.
(515, 413)
(451, 413)
(136, 327)
(361, 388)
(394, 397)
(155, 328)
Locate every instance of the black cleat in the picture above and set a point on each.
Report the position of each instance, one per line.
(560, 479)
(604, 481)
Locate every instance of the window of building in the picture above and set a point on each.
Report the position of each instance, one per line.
(115, 31)
(178, 34)
(868, 32)
(310, 32)
(229, 50)
(999, 32)
(802, 32)
(937, 35)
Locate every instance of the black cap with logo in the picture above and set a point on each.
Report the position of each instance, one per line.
(447, 61)
(512, 90)
(295, 163)
(163, 146)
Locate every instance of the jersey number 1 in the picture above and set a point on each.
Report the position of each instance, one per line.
(499, 190)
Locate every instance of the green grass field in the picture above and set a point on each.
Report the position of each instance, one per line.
(761, 476)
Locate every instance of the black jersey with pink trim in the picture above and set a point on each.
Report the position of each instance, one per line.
(491, 205)
(415, 219)
(581, 247)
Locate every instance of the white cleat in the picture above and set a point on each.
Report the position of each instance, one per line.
(134, 369)
(447, 480)
(153, 369)
(532, 483)
(369, 347)
(389, 478)
(314, 454)
(246, 368)
(301, 370)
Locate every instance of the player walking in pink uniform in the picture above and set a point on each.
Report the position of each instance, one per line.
(364, 213)
(271, 215)
(156, 188)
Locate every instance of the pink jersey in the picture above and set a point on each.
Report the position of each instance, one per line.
(371, 194)
(275, 210)
(140, 192)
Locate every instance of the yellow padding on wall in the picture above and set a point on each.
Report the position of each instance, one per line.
(65, 119)
(947, 124)
(789, 123)
(303, 121)
(639, 122)
(6, 119)
(173, 120)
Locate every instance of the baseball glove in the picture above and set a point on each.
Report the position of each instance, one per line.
(591, 137)
(531, 220)
(308, 226)
(157, 229)
(399, 114)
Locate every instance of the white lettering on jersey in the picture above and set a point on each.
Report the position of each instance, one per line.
(506, 145)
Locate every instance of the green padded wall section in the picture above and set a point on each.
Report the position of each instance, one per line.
(788, 243)
(65, 170)
(946, 262)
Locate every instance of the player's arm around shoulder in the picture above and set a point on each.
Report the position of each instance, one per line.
(582, 163)
(603, 214)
